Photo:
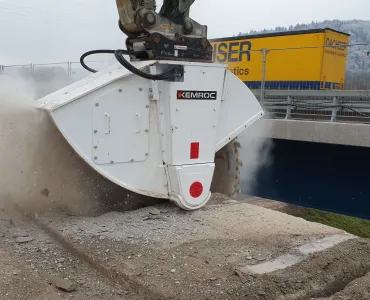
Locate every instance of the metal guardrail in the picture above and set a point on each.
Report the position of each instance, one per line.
(325, 105)
(315, 93)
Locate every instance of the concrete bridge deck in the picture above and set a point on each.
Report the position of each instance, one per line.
(350, 134)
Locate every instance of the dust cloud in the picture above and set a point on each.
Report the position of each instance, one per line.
(255, 154)
(39, 171)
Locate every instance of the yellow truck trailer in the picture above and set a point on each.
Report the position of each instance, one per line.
(308, 59)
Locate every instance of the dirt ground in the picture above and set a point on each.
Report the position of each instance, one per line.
(30, 257)
(161, 252)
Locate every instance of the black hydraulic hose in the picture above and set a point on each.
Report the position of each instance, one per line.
(82, 58)
(119, 56)
(166, 75)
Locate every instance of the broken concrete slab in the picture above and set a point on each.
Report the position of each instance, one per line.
(233, 221)
(215, 242)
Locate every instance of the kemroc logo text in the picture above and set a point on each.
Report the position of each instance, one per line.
(196, 95)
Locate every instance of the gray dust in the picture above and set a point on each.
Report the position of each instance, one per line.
(39, 169)
(255, 154)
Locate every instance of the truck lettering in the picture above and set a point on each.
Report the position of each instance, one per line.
(245, 48)
(232, 51)
(239, 71)
(220, 53)
(335, 44)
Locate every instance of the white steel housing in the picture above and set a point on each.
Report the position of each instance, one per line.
(144, 136)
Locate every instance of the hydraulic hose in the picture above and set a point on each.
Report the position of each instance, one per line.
(119, 54)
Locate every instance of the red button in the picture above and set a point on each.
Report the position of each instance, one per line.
(196, 190)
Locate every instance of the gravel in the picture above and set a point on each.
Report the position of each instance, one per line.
(24, 264)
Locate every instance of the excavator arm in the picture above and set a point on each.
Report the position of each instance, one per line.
(170, 34)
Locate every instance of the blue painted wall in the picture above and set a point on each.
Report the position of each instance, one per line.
(329, 177)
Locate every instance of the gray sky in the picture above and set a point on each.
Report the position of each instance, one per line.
(41, 31)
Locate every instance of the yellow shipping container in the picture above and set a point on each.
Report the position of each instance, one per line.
(294, 59)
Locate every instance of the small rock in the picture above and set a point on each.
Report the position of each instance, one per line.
(102, 237)
(213, 279)
(121, 293)
(249, 257)
(2, 235)
(45, 192)
(154, 211)
(261, 258)
(20, 233)
(173, 271)
(231, 202)
(45, 249)
(22, 240)
(61, 283)
(238, 273)
(155, 217)
(15, 273)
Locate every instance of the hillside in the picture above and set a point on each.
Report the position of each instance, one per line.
(359, 30)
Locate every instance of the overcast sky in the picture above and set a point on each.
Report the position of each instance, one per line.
(40, 31)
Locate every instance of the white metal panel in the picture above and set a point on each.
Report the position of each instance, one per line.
(182, 177)
(73, 116)
(173, 125)
(121, 125)
(239, 110)
(174, 184)
(191, 121)
(88, 85)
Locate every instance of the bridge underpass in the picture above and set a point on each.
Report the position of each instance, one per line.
(314, 157)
